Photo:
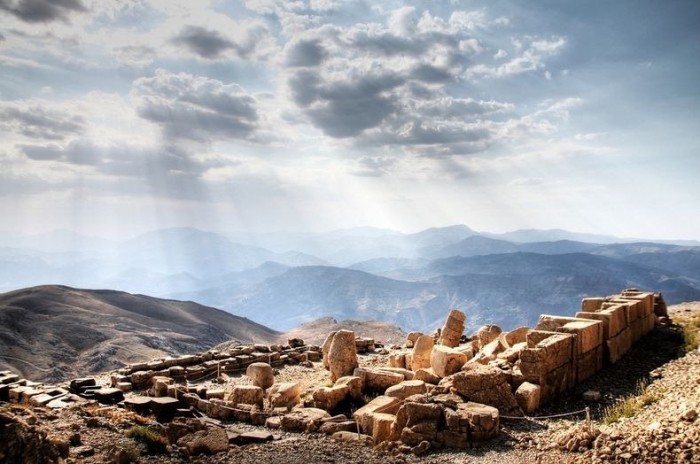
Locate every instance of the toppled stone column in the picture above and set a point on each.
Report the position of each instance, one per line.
(342, 354)
(453, 329)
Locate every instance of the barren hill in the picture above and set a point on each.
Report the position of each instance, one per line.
(54, 332)
(315, 332)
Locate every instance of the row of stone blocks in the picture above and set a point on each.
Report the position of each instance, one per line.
(564, 351)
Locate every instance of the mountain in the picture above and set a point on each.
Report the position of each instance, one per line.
(315, 332)
(54, 332)
(508, 289)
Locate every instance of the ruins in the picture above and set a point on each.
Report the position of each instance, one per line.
(445, 388)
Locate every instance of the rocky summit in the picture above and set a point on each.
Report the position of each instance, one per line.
(607, 385)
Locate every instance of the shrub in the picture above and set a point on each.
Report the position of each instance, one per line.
(154, 440)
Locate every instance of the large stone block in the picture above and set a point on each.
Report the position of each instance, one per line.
(261, 374)
(381, 426)
(376, 380)
(453, 328)
(554, 350)
(446, 361)
(407, 388)
(380, 404)
(515, 336)
(589, 333)
(487, 333)
(342, 354)
(422, 350)
(303, 420)
(590, 305)
(487, 385)
(617, 346)
(528, 397)
(247, 394)
(285, 395)
(589, 363)
(329, 398)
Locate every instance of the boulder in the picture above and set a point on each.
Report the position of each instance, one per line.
(209, 441)
(406, 388)
(247, 394)
(487, 385)
(285, 395)
(528, 397)
(376, 380)
(329, 398)
(453, 329)
(355, 385)
(427, 376)
(380, 404)
(487, 333)
(342, 354)
(261, 374)
(381, 426)
(446, 361)
(421, 352)
(411, 339)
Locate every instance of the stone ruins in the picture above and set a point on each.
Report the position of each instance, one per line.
(443, 388)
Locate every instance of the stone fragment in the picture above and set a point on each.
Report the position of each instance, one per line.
(303, 420)
(342, 354)
(285, 395)
(446, 361)
(381, 427)
(487, 333)
(351, 437)
(421, 352)
(261, 374)
(591, 395)
(329, 398)
(427, 376)
(325, 349)
(406, 388)
(528, 397)
(247, 394)
(453, 328)
(210, 441)
(247, 438)
(380, 404)
(376, 380)
(355, 385)
(487, 385)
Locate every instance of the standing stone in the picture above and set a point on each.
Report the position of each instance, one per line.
(326, 347)
(261, 374)
(342, 354)
(421, 352)
(453, 329)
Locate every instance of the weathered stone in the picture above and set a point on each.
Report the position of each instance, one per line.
(380, 404)
(487, 385)
(453, 328)
(109, 395)
(375, 380)
(325, 349)
(592, 304)
(427, 376)
(421, 352)
(397, 360)
(164, 405)
(381, 426)
(247, 438)
(303, 420)
(351, 437)
(406, 373)
(285, 395)
(355, 385)
(512, 354)
(210, 441)
(406, 388)
(329, 398)
(261, 374)
(342, 354)
(528, 397)
(247, 394)
(446, 361)
(591, 395)
(487, 333)
(329, 428)
(515, 336)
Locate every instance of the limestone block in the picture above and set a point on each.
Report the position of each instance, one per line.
(247, 394)
(355, 385)
(381, 426)
(407, 374)
(325, 349)
(512, 354)
(453, 328)
(411, 338)
(515, 336)
(421, 352)
(617, 346)
(342, 354)
(487, 333)
(589, 363)
(303, 420)
(377, 380)
(528, 397)
(397, 360)
(406, 388)
(261, 374)
(284, 395)
(590, 305)
(483, 420)
(380, 404)
(329, 398)
(556, 381)
(487, 385)
(446, 361)
(550, 353)
(427, 376)
(589, 333)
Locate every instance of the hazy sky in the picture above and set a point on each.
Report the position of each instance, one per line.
(123, 116)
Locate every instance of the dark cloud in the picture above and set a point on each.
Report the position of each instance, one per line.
(196, 108)
(38, 11)
(203, 42)
(431, 74)
(306, 53)
(37, 122)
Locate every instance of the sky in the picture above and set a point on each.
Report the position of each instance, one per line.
(118, 117)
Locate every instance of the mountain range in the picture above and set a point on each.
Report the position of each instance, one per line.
(411, 280)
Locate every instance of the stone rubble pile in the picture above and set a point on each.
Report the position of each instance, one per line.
(441, 390)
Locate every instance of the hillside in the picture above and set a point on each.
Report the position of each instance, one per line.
(55, 332)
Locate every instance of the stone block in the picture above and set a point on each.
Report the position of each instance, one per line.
(407, 374)
(589, 333)
(427, 376)
(342, 354)
(514, 337)
(528, 397)
(381, 426)
(261, 375)
(589, 363)
(285, 395)
(406, 388)
(617, 346)
(329, 398)
(397, 360)
(446, 361)
(421, 352)
(303, 420)
(247, 394)
(453, 328)
(487, 333)
(487, 385)
(548, 354)
(380, 404)
(590, 305)
(375, 380)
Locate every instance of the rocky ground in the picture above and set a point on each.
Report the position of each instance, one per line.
(662, 381)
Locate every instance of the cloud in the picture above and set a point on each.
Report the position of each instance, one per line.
(38, 122)
(374, 166)
(42, 11)
(195, 107)
(531, 56)
(306, 53)
(203, 42)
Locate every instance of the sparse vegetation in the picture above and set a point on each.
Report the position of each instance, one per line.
(691, 332)
(126, 451)
(154, 439)
(630, 406)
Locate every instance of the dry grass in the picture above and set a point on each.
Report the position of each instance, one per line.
(154, 439)
(633, 404)
(691, 332)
